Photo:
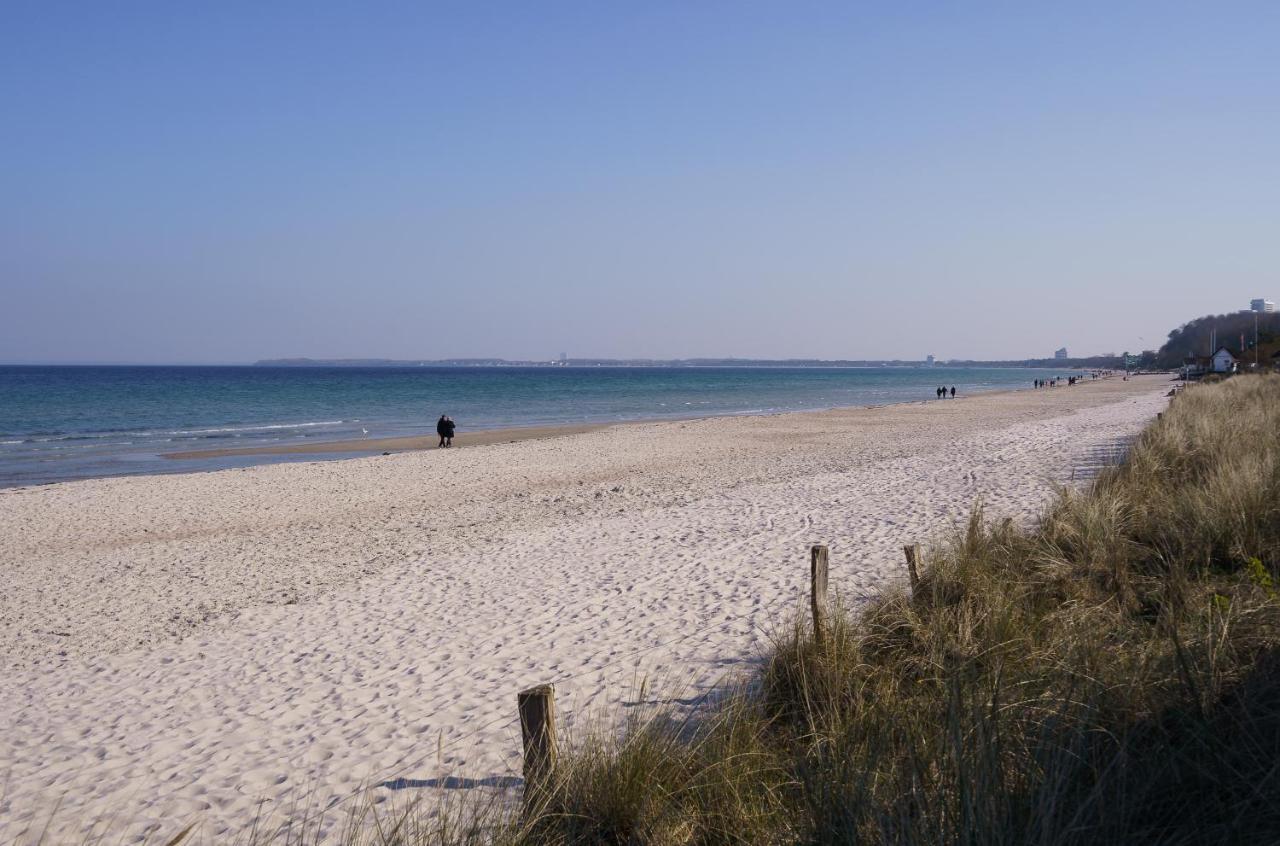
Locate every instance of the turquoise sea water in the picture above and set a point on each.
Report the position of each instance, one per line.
(60, 423)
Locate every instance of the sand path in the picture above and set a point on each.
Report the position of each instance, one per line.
(180, 647)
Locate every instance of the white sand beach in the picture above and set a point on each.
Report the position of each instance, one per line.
(200, 646)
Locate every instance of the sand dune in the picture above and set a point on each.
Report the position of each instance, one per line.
(181, 647)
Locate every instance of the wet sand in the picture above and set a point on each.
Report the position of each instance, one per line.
(402, 444)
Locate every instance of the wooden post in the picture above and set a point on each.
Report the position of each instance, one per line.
(913, 565)
(818, 591)
(537, 707)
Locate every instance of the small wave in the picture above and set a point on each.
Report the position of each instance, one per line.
(221, 431)
(265, 428)
(58, 437)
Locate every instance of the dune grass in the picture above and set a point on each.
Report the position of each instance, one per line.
(1111, 675)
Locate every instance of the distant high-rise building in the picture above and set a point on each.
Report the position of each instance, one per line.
(928, 360)
(1262, 306)
(563, 358)
(1060, 354)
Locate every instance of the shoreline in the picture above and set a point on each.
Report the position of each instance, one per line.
(399, 443)
(355, 448)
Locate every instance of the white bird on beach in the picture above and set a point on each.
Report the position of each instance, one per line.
(362, 429)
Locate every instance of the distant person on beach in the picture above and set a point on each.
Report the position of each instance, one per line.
(441, 428)
(953, 391)
(937, 392)
(448, 431)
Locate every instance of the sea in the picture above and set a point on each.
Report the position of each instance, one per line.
(60, 423)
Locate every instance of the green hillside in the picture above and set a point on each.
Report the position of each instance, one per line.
(1195, 337)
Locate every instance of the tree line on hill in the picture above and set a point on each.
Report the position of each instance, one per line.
(1195, 337)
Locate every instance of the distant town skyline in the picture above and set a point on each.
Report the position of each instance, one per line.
(249, 181)
(1260, 305)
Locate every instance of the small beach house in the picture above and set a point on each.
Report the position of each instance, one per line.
(1223, 361)
(1193, 367)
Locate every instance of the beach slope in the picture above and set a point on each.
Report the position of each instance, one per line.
(203, 645)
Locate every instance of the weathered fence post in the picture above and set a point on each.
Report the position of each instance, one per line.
(818, 591)
(913, 565)
(537, 707)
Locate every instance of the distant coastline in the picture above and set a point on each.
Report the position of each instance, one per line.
(1100, 362)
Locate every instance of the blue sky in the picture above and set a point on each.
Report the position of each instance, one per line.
(226, 182)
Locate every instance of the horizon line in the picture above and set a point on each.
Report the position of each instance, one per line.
(479, 361)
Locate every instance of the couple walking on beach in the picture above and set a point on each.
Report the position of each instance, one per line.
(942, 392)
(444, 428)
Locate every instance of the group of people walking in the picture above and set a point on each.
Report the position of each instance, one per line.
(444, 428)
(942, 392)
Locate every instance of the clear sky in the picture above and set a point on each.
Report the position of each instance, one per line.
(230, 181)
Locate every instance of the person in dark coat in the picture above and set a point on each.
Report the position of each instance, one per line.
(441, 428)
(448, 431)
(953, 391)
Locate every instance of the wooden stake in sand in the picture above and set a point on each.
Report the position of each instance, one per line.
(913, 565)
(818, 591)
(537, 707)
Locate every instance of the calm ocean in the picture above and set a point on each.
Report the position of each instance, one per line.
(60, 423)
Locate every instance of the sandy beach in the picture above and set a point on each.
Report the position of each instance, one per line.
(202, 645)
